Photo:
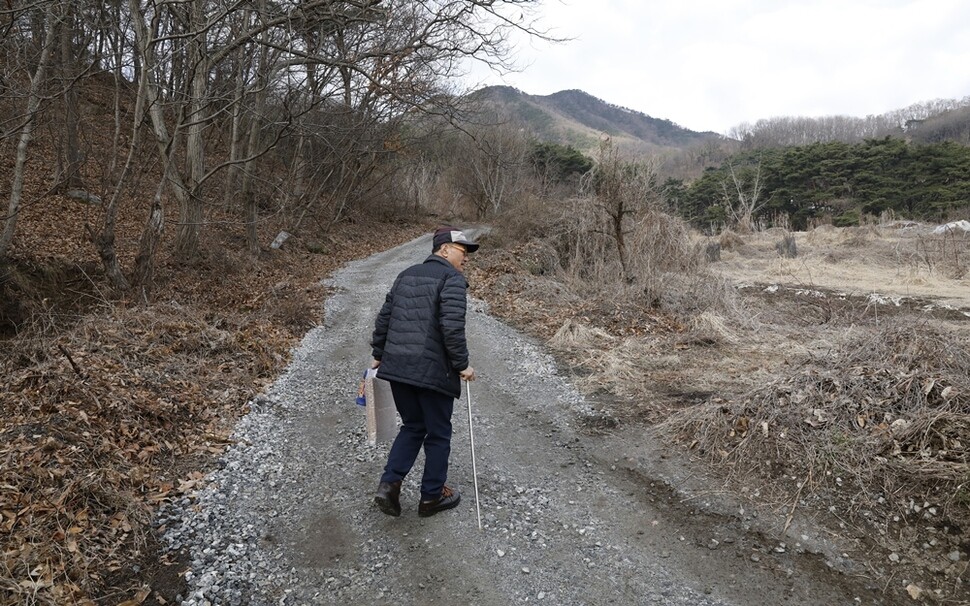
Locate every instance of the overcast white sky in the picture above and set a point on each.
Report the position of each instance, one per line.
(712, 64)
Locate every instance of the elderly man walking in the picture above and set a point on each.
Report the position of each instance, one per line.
(419, 346)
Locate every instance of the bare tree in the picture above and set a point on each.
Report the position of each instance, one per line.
(741, 195)
(150, 88)
(419, 179)
(144, 269)
(105, 239)
(786, 131)
(52, 12)
(493, 160)
(252, 144)
(620, 191)
(241, 70)
(69, 158)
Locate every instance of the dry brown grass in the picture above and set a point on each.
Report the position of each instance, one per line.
(573, 335)
(907, 262)
(621, 369)
(811, 396)
(712, 328)
(730, 240)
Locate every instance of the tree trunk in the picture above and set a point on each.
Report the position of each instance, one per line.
(166, 147)
(116, 39)
(252, 215)
(301, 171)
(619, 236)
(235, 137)
(150, 237)
(190, 204)
(70, 163)
(33, 107)
(106, 239)
(249, 196)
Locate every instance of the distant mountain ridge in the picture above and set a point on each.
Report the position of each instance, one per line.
(574, 117)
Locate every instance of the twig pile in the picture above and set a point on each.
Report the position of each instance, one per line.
(889, 411)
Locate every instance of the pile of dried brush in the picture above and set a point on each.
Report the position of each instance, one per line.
(887, 415)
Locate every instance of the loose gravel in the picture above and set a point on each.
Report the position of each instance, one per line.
(287, 517)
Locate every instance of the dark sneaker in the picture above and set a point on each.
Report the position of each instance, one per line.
(388, 498)
(449, 498)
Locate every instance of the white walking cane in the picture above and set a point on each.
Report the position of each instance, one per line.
(471, 437)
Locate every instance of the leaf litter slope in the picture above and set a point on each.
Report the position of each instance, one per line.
(109, 410)
(565, 519)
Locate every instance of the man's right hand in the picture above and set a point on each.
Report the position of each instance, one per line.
(468, 374)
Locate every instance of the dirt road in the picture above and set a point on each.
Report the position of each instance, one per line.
(575, 510)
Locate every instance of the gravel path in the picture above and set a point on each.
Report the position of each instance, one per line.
(569, 520)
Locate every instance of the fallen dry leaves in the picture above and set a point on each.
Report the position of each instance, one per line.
(93, 425)
(106, 419)
(109, 408)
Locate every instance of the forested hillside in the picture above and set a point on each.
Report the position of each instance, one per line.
(927, 121)
(221, 114)
(912, 161)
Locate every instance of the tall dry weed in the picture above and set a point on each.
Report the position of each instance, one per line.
(622, 369)
(862, 236)
(711, 327)
(576, 336)
(664, 269)
(948, 253)
(730, 240)
(945, 255)
(529, 217)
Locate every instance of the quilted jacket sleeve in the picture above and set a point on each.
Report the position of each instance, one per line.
(452, 318)
(381, 325)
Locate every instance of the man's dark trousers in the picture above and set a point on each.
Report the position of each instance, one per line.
(426, 416)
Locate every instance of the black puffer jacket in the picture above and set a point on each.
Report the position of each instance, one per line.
(419, 335)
